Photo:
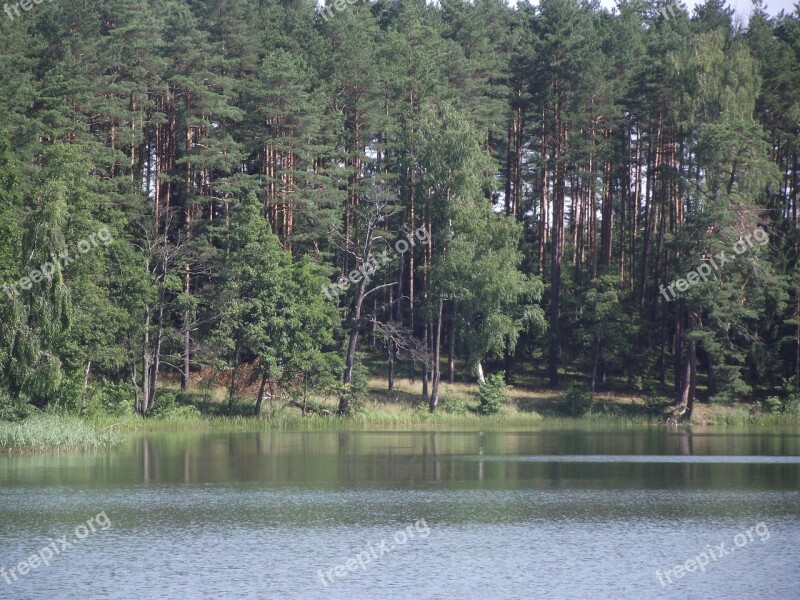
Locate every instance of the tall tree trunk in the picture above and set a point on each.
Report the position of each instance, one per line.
(156, 363)
(261, 390)
(437, 371)
(712, 376)
(797, 354)
(391, 364)
(234, 373)
(479, 368)
(597, 350)
(555, 290)
(554, 357)
(141, 406)
(689, 383)
(352, 342)
(543, 196)
(86, 381)
(451, 350)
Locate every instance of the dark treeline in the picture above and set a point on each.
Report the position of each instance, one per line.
(549, 188)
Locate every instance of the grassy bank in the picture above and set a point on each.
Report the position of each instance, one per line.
(381, 409)
(387, 416)
(68, 433)
(401, 408)
(396, 415)
(55, 432)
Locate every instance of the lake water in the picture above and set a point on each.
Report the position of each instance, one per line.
(580, 513)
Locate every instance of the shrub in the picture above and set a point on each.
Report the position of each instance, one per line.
(453, 406)
(356, 391)
(773, 404)
(654, 403)
(108, 398)
(792, 406)
(789, 404)
(492, 394)
(165, 401)
(576, 401)
(422, 409)
(13, 409)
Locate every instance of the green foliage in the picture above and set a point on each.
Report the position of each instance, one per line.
(10, 230)
(645, 145)
(109, 398)
(166, 400)
(71, 395)
(167, 406)
(422, 410)
(271, 306)
(478, 268)
(453, 406)
(492, 394)
(773, 404)
(576, 401)
(654, 403)
(13, 410)
(792, 406)
(788, 400)
(354, 392)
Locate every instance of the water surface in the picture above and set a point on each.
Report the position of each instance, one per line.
(579, 513)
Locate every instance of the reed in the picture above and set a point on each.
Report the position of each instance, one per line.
(55, 432)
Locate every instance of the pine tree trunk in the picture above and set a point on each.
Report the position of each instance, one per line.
(596, 362)
(425, 383)
(141, 403)
(797, 352)
(234, 372)
(156, 362)
(558, 245)
(391, 364)
(451, 350)
(437, 374)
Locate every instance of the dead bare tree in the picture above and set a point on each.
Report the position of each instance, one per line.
(401, 340)
(372, 215)
(160, 255)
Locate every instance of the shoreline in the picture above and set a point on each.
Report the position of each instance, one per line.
(55, 433)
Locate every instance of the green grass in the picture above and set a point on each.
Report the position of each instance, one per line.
(744, 416)
(64, 432)
(385, 416)
(399, 409)
(55, 432)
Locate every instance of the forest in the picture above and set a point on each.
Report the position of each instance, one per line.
(281, 196)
